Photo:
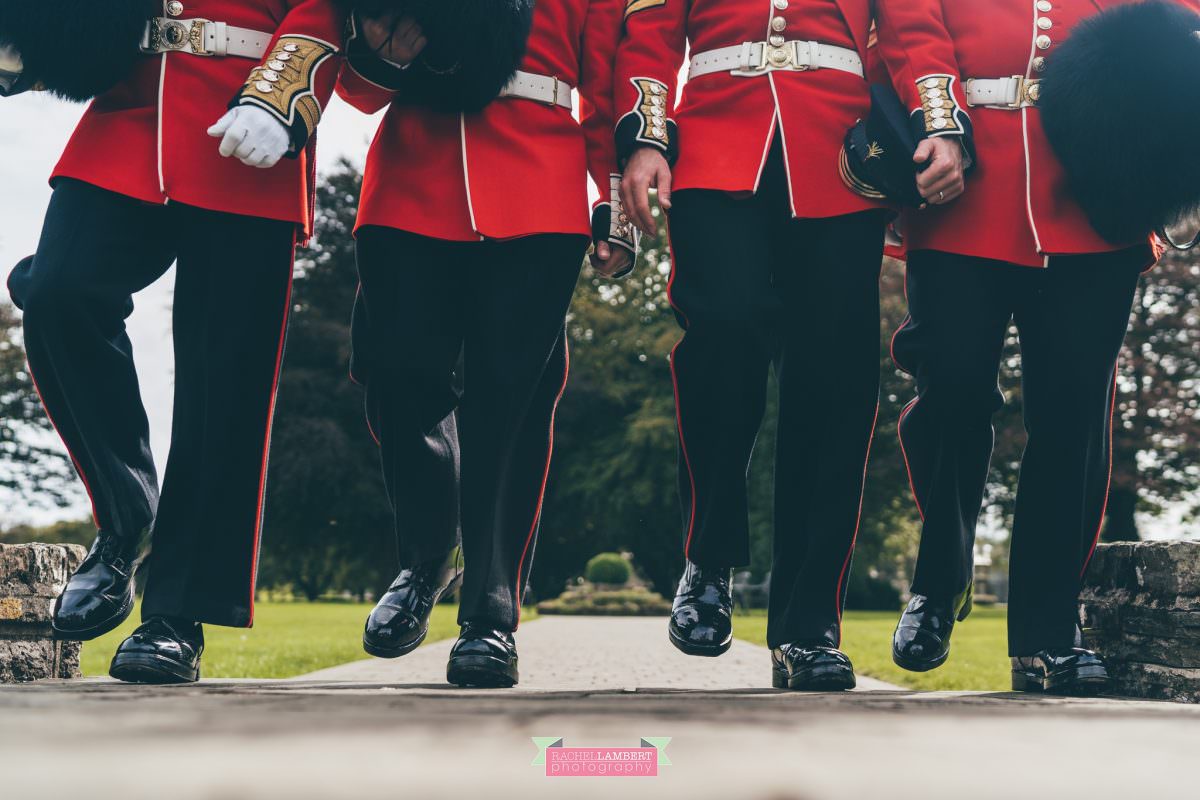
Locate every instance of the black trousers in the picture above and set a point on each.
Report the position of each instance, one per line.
(232, 292)
(462, 348)
(752, 286)
(1072, 318)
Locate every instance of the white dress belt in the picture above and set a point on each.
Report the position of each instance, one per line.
(758, 58)
(542, 89)
(1012, 93)
(202, 37)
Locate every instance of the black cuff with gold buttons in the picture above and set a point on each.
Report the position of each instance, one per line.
(647, 125)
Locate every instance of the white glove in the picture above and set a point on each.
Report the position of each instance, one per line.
(10, 60)
(252, 136)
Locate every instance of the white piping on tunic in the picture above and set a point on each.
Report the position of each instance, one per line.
(462, 133)
(787, 170)
(776, 119)
(762, 165)
(162, 79)
(1025, 137)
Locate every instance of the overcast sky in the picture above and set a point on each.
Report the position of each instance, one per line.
(33, 131)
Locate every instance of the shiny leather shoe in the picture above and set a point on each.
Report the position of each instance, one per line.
(811, 667)
(161, 650)
(922, 638)
(702, 614)
(1066, 670)
(99, 596)
(399, 623)
(483, 656)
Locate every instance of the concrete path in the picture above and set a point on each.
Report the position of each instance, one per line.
(383, 730)
(589, 654)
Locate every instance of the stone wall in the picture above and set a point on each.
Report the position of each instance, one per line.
(1141, 602)
(31, 576)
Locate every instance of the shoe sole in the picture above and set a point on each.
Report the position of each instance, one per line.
(151, 669)
(824, 679)
(484, 672)
(403, 650)
(87, 634)
(919, 666)
(394, 652)
(1084, 682)
(704, 651)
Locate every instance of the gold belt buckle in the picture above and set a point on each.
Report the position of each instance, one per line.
(1029, 92)
(169, 35)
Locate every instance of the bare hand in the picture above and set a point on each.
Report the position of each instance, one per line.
(942, 181)
(647, 169)
(397, 40)
(609, 261)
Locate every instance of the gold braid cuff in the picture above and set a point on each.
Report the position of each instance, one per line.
(284, 84)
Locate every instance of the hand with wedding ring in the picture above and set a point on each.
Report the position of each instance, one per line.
(943, 180)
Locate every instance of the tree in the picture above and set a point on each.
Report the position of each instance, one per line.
(34, 469)
(1157, 424)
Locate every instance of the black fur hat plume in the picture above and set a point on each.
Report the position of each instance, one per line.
(1121, 107)
(77, 49)
(474, 48)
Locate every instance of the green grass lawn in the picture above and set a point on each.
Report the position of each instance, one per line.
(978, 655)
(288, 639)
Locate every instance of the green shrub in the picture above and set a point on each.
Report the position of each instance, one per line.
(587, 600)
(610, 568)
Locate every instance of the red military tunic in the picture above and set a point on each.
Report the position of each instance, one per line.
(1017, 207)
(148, 139)
(725, 124)
(518, 167)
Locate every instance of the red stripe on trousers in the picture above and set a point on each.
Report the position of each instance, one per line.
(857, 522)
(687, 462)
(537, 516)
(266, 452)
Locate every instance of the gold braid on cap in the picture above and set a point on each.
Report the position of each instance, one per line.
(283, 85)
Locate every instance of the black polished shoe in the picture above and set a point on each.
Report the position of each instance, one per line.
(811, 667)
(922, 638)
(400, 621)
(483, 656)
(161, 650)
(702, 614)
(1065, 670)
(99, 596)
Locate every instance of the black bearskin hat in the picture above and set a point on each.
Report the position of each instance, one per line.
(474, 48)
(77, 49)
(1121, 107)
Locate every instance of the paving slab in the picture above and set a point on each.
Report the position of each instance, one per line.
(405, 734)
